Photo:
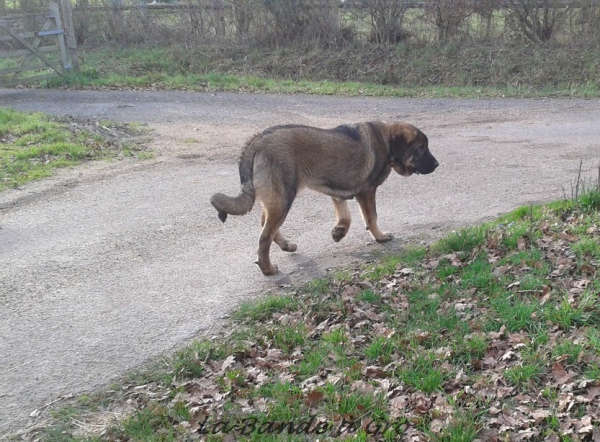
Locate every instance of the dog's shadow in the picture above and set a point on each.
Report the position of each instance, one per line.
(305, 268)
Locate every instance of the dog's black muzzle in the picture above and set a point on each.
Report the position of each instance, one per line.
(429, 166)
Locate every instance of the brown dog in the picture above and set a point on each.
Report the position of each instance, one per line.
(345, 162)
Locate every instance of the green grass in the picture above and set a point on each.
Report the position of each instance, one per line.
(464, 429)
(523, 376)
(289, 338)
(264, 308)
(464, 240)
(423, 375)
(254, 84)
(451, 340)
(379, 350)
(145, 425)
(33, 146)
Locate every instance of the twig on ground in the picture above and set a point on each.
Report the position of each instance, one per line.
(578, 181)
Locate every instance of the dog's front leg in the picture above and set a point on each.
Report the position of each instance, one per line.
(369, 213)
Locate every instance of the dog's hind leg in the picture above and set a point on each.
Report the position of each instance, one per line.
(369, 213)
(276, 201)
(275, 186)
(342, 219)
(279, 239)
(273, 219)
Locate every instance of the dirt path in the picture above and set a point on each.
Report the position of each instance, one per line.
(107, 266)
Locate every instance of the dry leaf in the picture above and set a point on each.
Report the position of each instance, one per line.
(313, 397)
(560, 375)
(375, 373)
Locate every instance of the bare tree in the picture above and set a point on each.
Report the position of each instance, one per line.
(448, 16)
(303, 21)
(196, 18)
(485, 9)
(243, 14)
(588, 20)
(537, 20)
(218, 6)
(386, 17)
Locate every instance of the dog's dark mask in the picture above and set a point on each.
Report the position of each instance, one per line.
(409, 153)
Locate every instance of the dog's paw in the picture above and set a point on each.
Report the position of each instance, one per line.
(289, 247)
(267, 270)
(338, 233)
(385, 237)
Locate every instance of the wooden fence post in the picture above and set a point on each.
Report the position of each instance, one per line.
(60, 41)
(69, 27)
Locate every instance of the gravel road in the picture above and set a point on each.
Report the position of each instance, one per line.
(109, 265)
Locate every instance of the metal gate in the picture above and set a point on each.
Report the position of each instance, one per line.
(28, 55)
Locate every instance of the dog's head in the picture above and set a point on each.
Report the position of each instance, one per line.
(409, 151)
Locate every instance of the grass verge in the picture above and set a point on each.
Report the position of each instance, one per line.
(490, 334)
(33, 145)
(397, 71)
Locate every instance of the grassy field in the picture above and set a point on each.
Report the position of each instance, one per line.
(33, 145)
(491, 334)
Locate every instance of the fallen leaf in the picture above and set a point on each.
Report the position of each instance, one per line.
(585, 425)
(593, 392)
(596, 434)
(227, 363)
(499, 334)
(540, 415)
(526, 434)
(508, 356)
(399, 402)
(362, 387)
(567, 237)
(585, 268)
(375, 373)
(560, 375)
(313, 397)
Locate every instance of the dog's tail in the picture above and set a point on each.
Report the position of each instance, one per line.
(243, 203)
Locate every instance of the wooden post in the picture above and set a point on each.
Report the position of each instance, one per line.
(60, 40)
(69, 27)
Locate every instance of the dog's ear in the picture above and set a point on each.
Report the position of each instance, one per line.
(398, 147)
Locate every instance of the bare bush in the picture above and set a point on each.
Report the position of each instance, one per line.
(195, 16)
(243, 15)
(536, 20)
(216, 16)
(303, 22)
(448, 16)
(327, 24)
(587, 21)
(385, 19)
(207, 17)
(485, 10)
(103, 22)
